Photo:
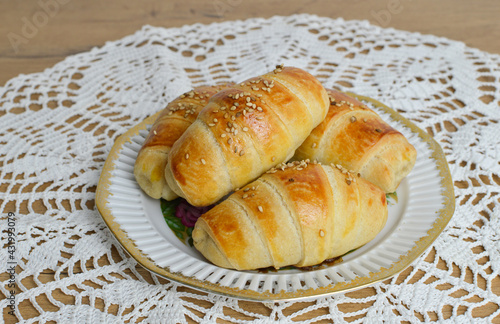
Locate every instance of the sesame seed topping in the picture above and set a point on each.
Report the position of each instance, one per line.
(186, 156)
(260, 209)
(246, 189)
(229, 141)
(215, 120)
(314, 145)
(211, 125)
(203, 161)
(364, 119)
(273, 158)
(233, 108)
(260, 117)
(353, 119)
(378, 130)
(223, 135)
(235, 150)
(245, 129)
(348, 181)
(248, 99)
(321, 233)
(244, 196)
(154, 132)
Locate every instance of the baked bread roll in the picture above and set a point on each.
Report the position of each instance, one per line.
(244, 131)
(301, 215)
(151, 160)
(355, 137)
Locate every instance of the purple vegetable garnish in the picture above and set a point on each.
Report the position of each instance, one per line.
(189, 213)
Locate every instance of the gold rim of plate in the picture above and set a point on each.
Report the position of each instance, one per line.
(442, 218)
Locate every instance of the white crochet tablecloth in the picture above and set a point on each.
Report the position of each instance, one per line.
(57, 127)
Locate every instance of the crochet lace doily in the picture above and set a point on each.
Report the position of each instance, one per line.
(58, 126)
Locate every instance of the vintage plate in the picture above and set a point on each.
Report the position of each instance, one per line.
(426, 204)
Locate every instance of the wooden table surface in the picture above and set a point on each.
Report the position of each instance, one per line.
(77, 26)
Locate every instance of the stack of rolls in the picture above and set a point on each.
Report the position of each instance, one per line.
(235, 149)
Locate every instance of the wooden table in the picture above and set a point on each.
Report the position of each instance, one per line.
(29, 43)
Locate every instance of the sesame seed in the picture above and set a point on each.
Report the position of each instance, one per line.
(244, 196)
(236, 104)
(378, 130)
(187, 156)
(273, 158)
(314, 145)
(203, 161)
(235, 150)
(223, 135)
(226, 115)
(229, 141)
(249, 104)
(237, 96)
(233, 118)
(233, 108)
(260, 209)
(246, 189)
(211, 125)
(321, 233)
(260, 117)
(364, 119)
(215, 120)
(248, 99)
(348, 181)
(245, 129)
(154, 132)
(353, 119)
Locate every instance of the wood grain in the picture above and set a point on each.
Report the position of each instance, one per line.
(73, 26)
(76, 26)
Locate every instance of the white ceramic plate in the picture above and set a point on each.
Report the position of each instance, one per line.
(425, 205)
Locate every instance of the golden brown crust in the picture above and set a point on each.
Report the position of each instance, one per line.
(357, 138)
(301, 215)
(255, 125)
(168, 127)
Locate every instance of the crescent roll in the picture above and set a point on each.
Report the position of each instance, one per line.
(355, 137)
(244, 131)
(150, 164)
(298, 214)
